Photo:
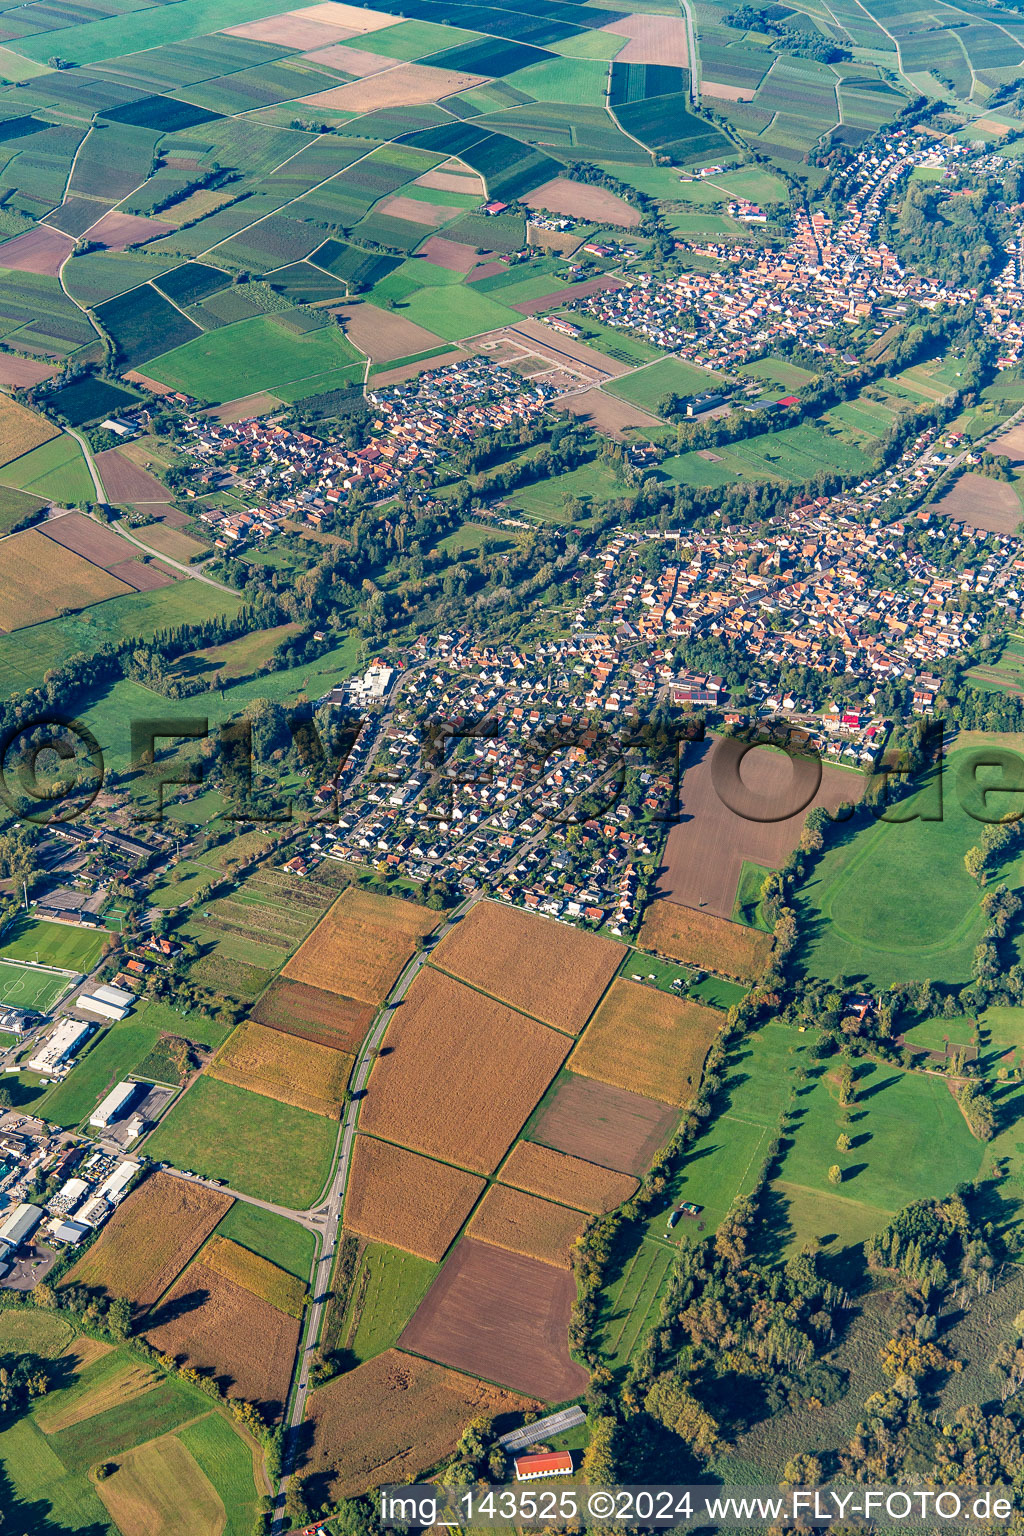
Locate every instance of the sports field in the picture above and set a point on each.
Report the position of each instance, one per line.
(56, 944)
(22, 986)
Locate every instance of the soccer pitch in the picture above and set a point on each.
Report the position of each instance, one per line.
(22, 986)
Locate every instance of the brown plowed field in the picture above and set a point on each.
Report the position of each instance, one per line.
(450, 254)
(597, 204)
(652, 40)
(607, 414)
(409, 85)
(389, 1419)
(361, 945)
(543, 1171)
(1011, 443)
(502, 1316)
(410, 208)
(461, 1075)
(522, 1223)
(337, 14)
(382, 334)
(38, 578)
(604, 1124)
(150, 1238)
(978, 502)
(16, 372)
(442, 180)
(164, 540)
(246, 408)
(704, 940)
(284, 1067)
(91, 540)
(313, 1014)
(706, 848)
(292, 31)
(525, 960)
(221, 1328)
(407, 1201)
(352, 61)
(41, 250)
(564, 292)
(648, 1041)
(413, 370)
(21, 430)
(116, 231)
(726, 92)
(144, 578)
(125, 483)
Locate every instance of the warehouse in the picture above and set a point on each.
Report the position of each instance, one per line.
(62, 1044)
(93, 1003)
(17, 1227)
(115, 1104)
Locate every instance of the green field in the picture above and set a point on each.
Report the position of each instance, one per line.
(648, 387)
(22, 986)
(252, 355)
(792, 455)
(34, 1333)
(57, 471)
(388, 1287)
(614, 342)
(862, 905)
(455, 312)
(589, 483)
(58, 944)
(748, 895)
(270, 1150)
(121, 1050)
(283, 1242)
(629, 1303)
(778, 370)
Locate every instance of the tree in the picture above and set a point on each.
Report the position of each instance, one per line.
(835, 1174)
(843, 1143)
(119, 1317)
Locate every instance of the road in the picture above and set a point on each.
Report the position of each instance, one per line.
(691, 53)
(186, 570)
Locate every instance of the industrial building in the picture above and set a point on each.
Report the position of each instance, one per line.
(60, 1046)
(115, 1104)
(94, 1212)
(70, 1232)
(18, 1226)
(91, 1002)
(114, 1187)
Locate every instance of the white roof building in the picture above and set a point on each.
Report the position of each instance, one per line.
(64, 1042)
(113, 1188)
(116, 995)
(71, 1193)
(116, 1101)
(20, 1224)
(93, 1004)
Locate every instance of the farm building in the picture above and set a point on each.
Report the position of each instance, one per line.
(115, 1104)
(62, 1044)
(543, 1464)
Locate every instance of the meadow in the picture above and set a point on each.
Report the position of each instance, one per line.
(650, 386)
(253, 355)
(388, 1287)
(283, 1242)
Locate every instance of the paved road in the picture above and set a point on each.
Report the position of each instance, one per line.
(186, 570)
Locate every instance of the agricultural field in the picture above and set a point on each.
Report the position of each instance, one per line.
(312, 1014)
(361, 946)
(21, 430)
(285, 1067)
(393, 1416)
(647, 1041)
(407, 1201)
(149, 1239)
(254, 1143)
(387, 1287)
(255, 1274)
(523, 1223)
(275, 1238)
(648, 387)
(256, 354)
(602, 1124)
(523, 959)
(502, 1316)
(461, 1075)
(41, 578)
(703, 940)
(542, 1171)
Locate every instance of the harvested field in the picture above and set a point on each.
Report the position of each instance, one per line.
(450, 254)
(1010, 443)
(726, 92)
(391, 1418)
(144, 578)
(133, 376)
(603, 1124)
(292, 31)
(704, 940)
(561, 195)
(284, 1067)
(149, 1239)
(502, 1316)
(409, 85)
(522, 1223)
(648, 1041)
(245, 409)
(21, 430)
(164, 540)
(407, 1201)
(556, 1176)
(42, 250)
(413, 370)
(158, 1488)
(310, 1013)
(39, 578)
(652, 40)
(383, 334)
(706, 848)
(462, 1074)
(443, 180)
(83, 1352)
(125, 483)
(524, 960)
(606, 413)
(256, 1275)
(123, 1386)
(17, 372)
(335, 14)
(430, 214)
(116, 231)
(978, 502)
(352, 61)
(360, 946)
(91, 540)
(213, 1324)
